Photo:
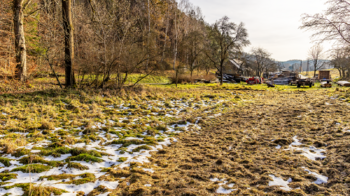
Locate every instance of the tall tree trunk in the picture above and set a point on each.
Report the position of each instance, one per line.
(340, 74)
(175, 49)
(166, 35)
(149, 34)
(68, 42)
(20, 44)
(222, 72)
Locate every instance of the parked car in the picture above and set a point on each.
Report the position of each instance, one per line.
(255, 80)
(281, 81)
(305, 82)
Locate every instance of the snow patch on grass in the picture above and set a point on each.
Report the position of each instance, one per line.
(276, 181)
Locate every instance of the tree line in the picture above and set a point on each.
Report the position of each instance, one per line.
(100, 42)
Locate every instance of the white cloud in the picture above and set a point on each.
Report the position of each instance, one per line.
(272, 24)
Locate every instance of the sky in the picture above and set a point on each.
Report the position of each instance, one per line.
(271, 24)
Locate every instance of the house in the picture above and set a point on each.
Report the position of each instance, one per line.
(234, 67)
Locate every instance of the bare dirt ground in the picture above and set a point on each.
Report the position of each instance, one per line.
(282, 143)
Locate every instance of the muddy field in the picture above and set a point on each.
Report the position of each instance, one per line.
(283, 143)
(199, 140)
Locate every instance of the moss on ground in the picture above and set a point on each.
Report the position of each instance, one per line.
(7, 176)
(32, 168)
(5, 161)
(144, 147)
(85, 157)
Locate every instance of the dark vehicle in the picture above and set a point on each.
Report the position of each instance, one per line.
(281, 81)
(293, 80)
(230, 78)
(305, 82)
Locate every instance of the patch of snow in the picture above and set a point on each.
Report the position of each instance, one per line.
(87, 187)
(320, 179)
(63, 157)
(311, 152)
(280, 182)
(278, 147)
(104, 194)
(133, 138)
(231, 185)
(13, 192)
(148, 170)
(296, 141)
(222, 190)
(216, 179)
(148, 185)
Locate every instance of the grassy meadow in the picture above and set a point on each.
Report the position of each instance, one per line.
(156, 139)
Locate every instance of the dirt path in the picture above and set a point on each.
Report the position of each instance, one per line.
(296, 141)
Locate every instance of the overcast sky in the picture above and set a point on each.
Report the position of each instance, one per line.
(272, 24)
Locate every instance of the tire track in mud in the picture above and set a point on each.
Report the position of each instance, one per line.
(258, 149)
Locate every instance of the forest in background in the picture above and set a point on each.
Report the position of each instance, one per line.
(94, 43)
(98, 43)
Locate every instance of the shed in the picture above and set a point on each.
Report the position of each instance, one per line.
(324, 74)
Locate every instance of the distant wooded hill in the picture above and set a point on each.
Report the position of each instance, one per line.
(295, 65)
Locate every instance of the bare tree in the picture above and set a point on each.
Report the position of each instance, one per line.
(225, 38)
(20, 42)
(333, 24)
(261, 59)
(315, 55)
(69, 42)
(340, 59)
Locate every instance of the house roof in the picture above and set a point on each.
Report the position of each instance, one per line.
(235, 64)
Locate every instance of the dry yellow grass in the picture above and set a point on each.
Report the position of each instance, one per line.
(10, 145)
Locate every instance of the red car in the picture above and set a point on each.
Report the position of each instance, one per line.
(255, 80)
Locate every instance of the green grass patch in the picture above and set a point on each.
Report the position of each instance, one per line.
(37, 159)
(21, 152)
(122, 159)
(5, 161)
(33, 168)
(7, 176)
(77, 166)
(127, 143)
(85, 157)
(144, 147)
